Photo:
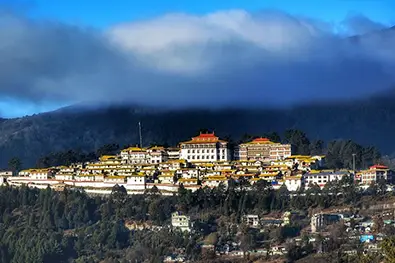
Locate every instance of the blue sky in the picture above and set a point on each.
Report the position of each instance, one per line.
(104, 13)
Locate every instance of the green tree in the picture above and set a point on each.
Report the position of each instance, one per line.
(299, 141)
(15, 164)
(388, 248)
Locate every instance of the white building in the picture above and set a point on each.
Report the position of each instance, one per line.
(374, 174)
(6, 173)
(64, 176)
(180, 221)
(322, 178)
(205, 148)
(158, 154)
(40, 174)
(173, 153)
(293, 183)
(251, 220)
(215, 181)
(116, 179)
(135, 155)
(262, 149)
(136, 181)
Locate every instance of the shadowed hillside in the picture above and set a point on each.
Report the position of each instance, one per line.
(370, 122)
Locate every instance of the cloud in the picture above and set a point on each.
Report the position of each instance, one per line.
(358, 24)
(228, 58)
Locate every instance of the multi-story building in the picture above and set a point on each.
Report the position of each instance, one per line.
(135, 155)
(262, 149)
(158, 154)
(173, 153)
(322, 178)
(374, 174)
(205, 148)
(40, 174)
(320, 221)
(181, 221)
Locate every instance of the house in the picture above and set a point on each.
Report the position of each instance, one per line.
(181, 222)
(205, 148)
(115, 179)
(262, 149)
(188, 181)
(166, 177)
(135, 155)
(173, 153)
(139, 225)
(40, 174)
(374, 174)
(136, 179)
(215, 181)
(293, 183)
(6, 173)
(319, 221)
(321, 178)
(64, 176)
(251, 220)
(158, 154)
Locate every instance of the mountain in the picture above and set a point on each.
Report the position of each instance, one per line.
(369, 122)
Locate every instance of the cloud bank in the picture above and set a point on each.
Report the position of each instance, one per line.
(227, 58)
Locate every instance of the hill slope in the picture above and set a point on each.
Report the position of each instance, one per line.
(370, 122)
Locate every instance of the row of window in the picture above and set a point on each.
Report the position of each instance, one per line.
(189, 146)
(205, 151)
(204, 157)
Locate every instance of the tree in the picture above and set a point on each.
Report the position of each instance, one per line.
(107, 149)
(247, 239)
(317, 147)
(15, 164)
(299, 141)
(119, 193)
(211, 239)
(378, 224)
(273, 136)
(388, 248)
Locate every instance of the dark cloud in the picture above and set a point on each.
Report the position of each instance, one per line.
(358, 24)
(220, 59)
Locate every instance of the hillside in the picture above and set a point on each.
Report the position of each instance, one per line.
(369, 122)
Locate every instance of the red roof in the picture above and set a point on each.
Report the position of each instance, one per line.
(378, 166)
(206, 135)
(261, 140)
(205, 138)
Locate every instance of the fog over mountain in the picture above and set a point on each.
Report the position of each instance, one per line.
(226, 58)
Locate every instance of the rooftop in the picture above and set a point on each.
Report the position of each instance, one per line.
(204, 138)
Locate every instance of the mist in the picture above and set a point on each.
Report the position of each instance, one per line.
(228, 58)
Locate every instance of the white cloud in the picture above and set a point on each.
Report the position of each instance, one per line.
(219, 59)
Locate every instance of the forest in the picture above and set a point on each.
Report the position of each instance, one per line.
(368, 123)
(70, 226)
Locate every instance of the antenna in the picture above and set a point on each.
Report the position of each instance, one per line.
(141, 137)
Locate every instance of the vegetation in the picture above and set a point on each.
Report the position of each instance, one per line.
(69, 226)
(85, 130)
